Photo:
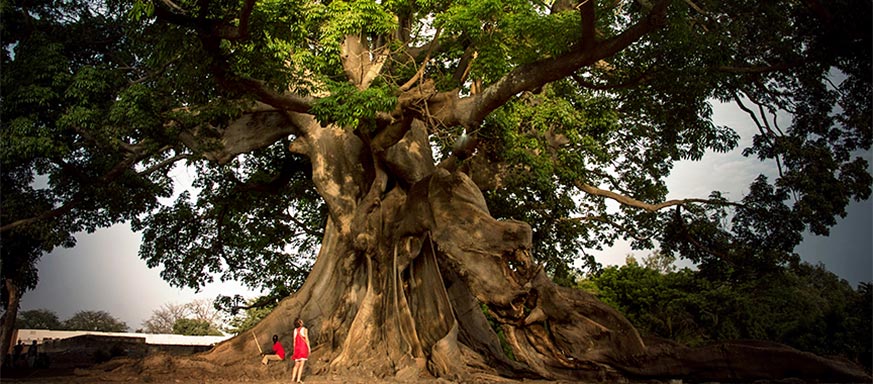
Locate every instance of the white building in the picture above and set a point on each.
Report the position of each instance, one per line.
(27, 336)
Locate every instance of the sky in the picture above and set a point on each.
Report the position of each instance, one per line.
(104, 272)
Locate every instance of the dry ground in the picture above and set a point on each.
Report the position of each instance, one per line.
(159, 372)
(74, 378)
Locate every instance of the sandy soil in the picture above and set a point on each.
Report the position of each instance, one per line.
(272, 375)
(316, 379)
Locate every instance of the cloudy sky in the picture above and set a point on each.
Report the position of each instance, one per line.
(104, 272)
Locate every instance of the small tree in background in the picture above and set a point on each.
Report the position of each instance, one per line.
(38, 319)
(95, 321)
(193, 327)
(801, 305)
(165, 318)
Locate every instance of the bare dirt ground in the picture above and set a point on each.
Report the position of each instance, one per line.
(153, 371)
(80, 377)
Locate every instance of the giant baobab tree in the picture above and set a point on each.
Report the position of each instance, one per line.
(454, 157)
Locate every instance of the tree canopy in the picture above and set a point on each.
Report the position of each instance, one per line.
(38, 319)
(99, 98)
(195, 327)
(302, 117)
(95, 321)
(196, 313)
(80, 321)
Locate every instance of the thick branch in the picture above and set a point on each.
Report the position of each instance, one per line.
(114, 173)
(57, 212)
(286, 101)
(164, 163)
(260, 127)
(241, 32)
(357, 64)
(406, 86)
(631, 202)
(414, 52)
(534, 75)
(589, 35)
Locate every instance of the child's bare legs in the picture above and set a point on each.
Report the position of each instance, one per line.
(300, 372)
(297, 372)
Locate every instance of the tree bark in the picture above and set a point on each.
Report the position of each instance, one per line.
(8, 327)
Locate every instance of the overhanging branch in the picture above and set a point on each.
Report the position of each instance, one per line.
(534, 75)
(114, 173)
(281, 100)
(631, 202)
(406, 86)
(240, 32)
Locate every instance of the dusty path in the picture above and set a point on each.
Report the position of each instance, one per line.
(75, 379)
(71, 376)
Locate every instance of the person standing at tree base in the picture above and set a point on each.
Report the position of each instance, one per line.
(301, 351)
(32, 354)
(17, 352)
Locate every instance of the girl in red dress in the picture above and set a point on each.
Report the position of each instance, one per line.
(301, 351)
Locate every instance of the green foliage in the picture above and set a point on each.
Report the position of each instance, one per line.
(38, 319)
(62, 71)
(194, 327)
(507, 33)
(348, 107)
(498, 329)
(356, 17)
(550, 140)
(94, 321)
(244, 224)
(755, 239)
(801, 305)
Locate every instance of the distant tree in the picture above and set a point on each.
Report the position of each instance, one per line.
(864, 311)
(660, 261)
(38, 319)
(813, 309)
(194, 327)
(801, 305)
(95, 321)
(164, 318)
(653, 301)
(205, 310)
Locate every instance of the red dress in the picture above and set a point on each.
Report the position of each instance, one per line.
(301, 350)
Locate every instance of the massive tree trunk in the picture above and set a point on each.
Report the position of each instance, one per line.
(411, 256)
